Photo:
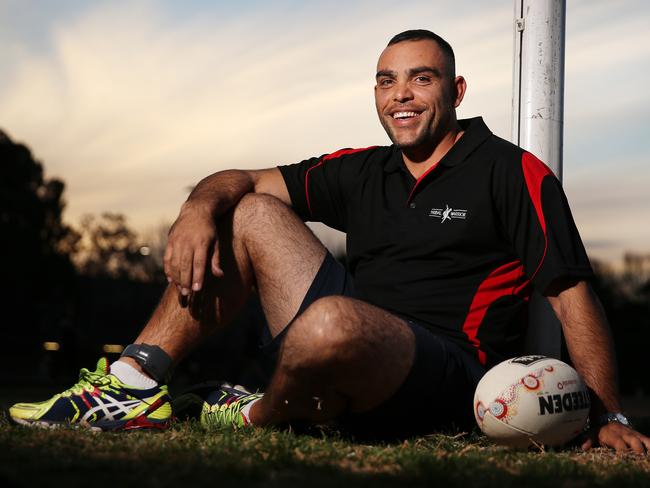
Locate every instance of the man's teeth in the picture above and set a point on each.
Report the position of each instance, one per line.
(405, 115)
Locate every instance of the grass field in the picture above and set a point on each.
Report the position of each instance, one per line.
(188, 455)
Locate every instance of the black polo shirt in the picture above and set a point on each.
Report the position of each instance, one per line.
(456, 250)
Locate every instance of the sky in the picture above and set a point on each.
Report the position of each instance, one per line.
(132, 103)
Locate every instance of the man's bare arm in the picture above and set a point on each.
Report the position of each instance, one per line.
(193, 236)
(591, 348)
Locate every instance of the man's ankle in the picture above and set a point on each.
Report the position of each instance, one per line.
(253, 413)
(134, 364)
(130, 373)
(151, 359)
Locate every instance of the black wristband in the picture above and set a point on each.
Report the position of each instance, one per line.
(153, 360)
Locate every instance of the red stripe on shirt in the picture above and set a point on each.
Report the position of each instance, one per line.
(327, 157)
(506, 280)
(422, 176)
(534, 173)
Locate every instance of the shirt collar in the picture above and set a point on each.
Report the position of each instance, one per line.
(476, 132)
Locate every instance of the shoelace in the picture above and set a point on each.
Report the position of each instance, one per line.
(87, 380)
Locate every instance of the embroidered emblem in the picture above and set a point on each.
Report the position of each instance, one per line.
(448, 213)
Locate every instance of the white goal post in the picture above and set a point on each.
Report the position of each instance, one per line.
(538, 122)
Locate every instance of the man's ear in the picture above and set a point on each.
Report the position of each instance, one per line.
(460, 87)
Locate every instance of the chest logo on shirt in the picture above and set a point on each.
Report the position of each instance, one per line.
(448, 214)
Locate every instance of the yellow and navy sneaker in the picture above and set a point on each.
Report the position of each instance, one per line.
(215, 404)
(101, 402)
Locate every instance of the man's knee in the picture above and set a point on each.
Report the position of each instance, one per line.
(257, 206)
(326, 332)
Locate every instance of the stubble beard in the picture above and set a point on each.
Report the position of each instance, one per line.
(423, 140)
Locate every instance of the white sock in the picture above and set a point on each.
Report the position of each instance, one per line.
(247, 408)
(128, 375)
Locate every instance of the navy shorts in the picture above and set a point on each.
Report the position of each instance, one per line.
(437, 394)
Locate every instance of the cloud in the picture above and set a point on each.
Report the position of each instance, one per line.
(612, 205)
(126, 98)
(607, 74)
(133, 102)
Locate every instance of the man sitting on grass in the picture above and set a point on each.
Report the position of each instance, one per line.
(448, 230)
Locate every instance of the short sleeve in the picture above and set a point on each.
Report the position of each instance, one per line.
(319, 187)
(538, 221)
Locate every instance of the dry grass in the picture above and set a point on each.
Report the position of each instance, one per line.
(187, 454)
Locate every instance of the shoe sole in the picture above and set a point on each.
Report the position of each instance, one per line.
(36, 423)
(137, 423)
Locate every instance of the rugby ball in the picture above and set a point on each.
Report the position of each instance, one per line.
(531, 399)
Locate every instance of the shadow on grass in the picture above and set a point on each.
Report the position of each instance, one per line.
(188, 455)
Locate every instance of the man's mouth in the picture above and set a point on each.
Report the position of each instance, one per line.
(405, 115)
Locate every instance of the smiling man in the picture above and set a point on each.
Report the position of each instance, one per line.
(448, 231)
(419, 117)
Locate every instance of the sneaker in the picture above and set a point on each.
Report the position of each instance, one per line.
(100, 402)
(215, 404)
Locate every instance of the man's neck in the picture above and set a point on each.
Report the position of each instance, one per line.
(419, 160)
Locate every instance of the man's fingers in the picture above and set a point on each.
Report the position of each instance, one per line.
(183, 300)
(635, 443)
(187, 250)
(186, 263)
(640, 443)
(619, 437)
(612, 435)
(623, 438)
(646, 443)
(198, 269)
(216, 265)
(620, 445)
(167, 262)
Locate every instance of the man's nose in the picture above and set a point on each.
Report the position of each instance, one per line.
(402, 93)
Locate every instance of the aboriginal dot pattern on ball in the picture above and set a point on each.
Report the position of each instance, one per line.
(498, 408)
(480, 410)
(530, 382)
(518, 405)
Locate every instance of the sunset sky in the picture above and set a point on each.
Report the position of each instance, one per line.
(132, 103)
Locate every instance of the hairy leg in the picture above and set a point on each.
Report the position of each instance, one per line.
(262, 243)
(340, 355)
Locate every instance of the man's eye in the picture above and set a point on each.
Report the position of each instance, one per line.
(423, 79)
(386, 82)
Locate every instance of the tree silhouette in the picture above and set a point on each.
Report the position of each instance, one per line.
(34, 242)
(108, 248)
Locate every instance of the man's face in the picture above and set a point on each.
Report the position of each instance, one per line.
(416, 94)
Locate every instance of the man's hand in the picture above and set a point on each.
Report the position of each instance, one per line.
(617, 436)
(192, 238)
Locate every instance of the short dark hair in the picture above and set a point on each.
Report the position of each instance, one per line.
(422, 34)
